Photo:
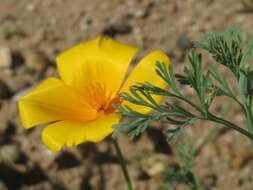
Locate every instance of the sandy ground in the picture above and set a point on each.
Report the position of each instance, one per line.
(33, 32)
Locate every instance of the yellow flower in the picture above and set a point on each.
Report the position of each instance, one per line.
(78, 107)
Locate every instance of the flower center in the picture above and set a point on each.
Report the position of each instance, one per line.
(101, 99)
(108, 108)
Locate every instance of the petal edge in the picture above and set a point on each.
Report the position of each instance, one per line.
(67, 133)
(145, 72)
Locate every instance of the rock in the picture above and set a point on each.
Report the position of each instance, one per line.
(184, 43)
(85, 23)
(154, 164)
(30, 7)
(18, 83)
(9, 153)
(117, 28)
(141, 13)
(35, 60)
(5, 91)
(5, 57)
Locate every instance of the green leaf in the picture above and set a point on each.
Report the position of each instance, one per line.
(248, 51)
(125, 127)
(226, 48)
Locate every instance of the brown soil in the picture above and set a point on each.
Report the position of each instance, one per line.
(45, 28)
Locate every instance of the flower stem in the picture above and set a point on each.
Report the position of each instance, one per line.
(246, 107)
(195, 182)
(231, 125)
(122, 163)
(249, 120)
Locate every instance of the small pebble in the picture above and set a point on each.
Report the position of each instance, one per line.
(85, 24)
(184, 43)
(117, 28)
(141, 13)
(35, 60)
(154, 164)
(5, 57)
(9, 153)
(18, 83)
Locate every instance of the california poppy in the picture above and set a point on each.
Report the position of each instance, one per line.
(78, 106)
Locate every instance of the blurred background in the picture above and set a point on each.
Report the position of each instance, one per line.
(33, 32)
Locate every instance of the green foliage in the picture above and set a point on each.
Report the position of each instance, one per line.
(224, 47)
(9, 32)
(228, 50)
(182, 174)
(248, 50)
(246, 87)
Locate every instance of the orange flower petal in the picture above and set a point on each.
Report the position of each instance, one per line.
(53, 100)
(100, 61)
(145, 72)
(67, 133)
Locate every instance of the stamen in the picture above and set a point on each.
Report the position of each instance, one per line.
(101, 98)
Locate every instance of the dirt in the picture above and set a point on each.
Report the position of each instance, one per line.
(33, 32)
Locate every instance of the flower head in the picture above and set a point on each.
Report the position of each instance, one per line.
(78, 106)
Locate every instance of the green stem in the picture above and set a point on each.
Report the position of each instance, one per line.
(187, 101)
(196, 183)
(249, 121)
(122, 164)
(213, 118)
(246, 107)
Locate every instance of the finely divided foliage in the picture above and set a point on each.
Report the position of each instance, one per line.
(228, 50)
(182, 174)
